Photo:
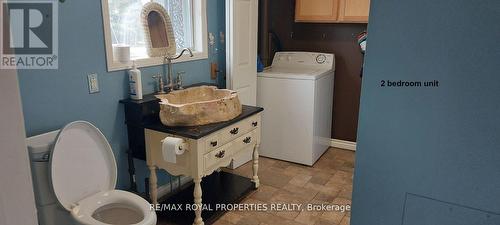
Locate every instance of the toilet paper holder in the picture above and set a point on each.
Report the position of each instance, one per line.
(173, 147)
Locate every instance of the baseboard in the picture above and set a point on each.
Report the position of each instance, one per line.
(347, 145)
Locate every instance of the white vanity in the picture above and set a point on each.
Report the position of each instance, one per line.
(208, 147)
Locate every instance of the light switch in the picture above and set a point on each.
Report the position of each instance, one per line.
(93, 83)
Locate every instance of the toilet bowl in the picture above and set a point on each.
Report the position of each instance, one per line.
(83, 176)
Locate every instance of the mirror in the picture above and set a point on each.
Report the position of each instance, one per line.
(158, 31)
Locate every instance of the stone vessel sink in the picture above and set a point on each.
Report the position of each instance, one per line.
(198, 106)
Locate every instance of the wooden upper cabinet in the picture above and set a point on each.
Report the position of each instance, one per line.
(354, 10)
(316, 10)
(332, 11)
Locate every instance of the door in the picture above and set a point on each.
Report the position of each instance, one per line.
(241, 30)
(17, 201)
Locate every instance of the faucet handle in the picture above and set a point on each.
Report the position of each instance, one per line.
(179, 79)
(159, 80)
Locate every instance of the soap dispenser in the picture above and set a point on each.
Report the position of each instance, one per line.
(135, 82)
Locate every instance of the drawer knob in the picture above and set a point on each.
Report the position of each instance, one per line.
(255, 123)
(213, 143)
(247, 140)
(221, 154)
(234, 131)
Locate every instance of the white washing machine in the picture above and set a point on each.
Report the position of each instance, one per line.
(296, 92)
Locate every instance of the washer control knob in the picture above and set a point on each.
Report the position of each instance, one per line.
(321, 58)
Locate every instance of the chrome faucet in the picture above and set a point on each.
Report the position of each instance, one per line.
(171, 86)
(159, 81)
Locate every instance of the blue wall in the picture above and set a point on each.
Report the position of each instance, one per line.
(52, 98)
(430, 155)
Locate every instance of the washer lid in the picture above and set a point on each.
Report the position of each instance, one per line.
(82, 163)
(296, 73)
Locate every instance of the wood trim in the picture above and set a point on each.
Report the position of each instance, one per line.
(347, 145)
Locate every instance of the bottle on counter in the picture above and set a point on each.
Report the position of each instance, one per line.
(135, 82)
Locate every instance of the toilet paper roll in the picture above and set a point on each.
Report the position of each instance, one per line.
(171, 147)
(121, 53)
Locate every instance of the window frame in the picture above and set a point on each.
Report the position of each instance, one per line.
(199, 36)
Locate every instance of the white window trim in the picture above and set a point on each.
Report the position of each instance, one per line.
(199, 41)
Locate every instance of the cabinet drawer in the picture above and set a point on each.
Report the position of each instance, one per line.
(218, 155)
(232, 132)
(225, 152)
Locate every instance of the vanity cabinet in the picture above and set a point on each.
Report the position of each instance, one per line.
(332, 11)
(208, 148)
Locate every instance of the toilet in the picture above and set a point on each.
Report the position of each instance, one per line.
(82, 172)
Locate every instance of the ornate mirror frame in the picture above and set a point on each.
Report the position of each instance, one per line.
(171, 50)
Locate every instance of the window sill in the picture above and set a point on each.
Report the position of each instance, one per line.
(155, 61)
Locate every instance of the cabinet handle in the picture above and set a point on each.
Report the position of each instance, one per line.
(247, 140)
(234, 131)
(221, 154)
(255, 123)
(213, 143)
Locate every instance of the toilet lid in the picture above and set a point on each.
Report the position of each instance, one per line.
(81, 164)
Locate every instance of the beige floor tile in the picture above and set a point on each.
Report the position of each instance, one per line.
(341, 201)
(327, 189)
(289, 215)
(322, 221)
(284, 197)
(333, 216)
(265, 162)
(282, 164)
(264, 193)
(231, 217)
(305, 193)
(308, 217)
(248, 220)
(320, 178)
(346, 220)
(295, 169)
(223, 222)
(274, 177)
(300, 179)
(346, 191)
(325, 197)
(340, 178)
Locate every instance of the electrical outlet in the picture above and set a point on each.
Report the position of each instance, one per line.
(93, 83)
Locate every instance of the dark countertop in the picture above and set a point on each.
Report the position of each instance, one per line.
(197, 132)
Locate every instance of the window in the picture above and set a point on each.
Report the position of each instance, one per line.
(123, 26)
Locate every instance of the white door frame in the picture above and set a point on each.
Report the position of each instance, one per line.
(241, 48)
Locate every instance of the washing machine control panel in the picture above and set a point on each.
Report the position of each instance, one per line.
(325, 60)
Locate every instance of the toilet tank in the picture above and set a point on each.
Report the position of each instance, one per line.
(39, 148)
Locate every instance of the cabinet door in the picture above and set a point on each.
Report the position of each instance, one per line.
(316, 10)
(354, 10)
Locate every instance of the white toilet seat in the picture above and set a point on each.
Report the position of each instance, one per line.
(85, 209)
(83, 175)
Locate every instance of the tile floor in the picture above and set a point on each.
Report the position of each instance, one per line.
(328, 181)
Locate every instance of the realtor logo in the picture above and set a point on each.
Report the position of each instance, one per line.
(29, 34)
